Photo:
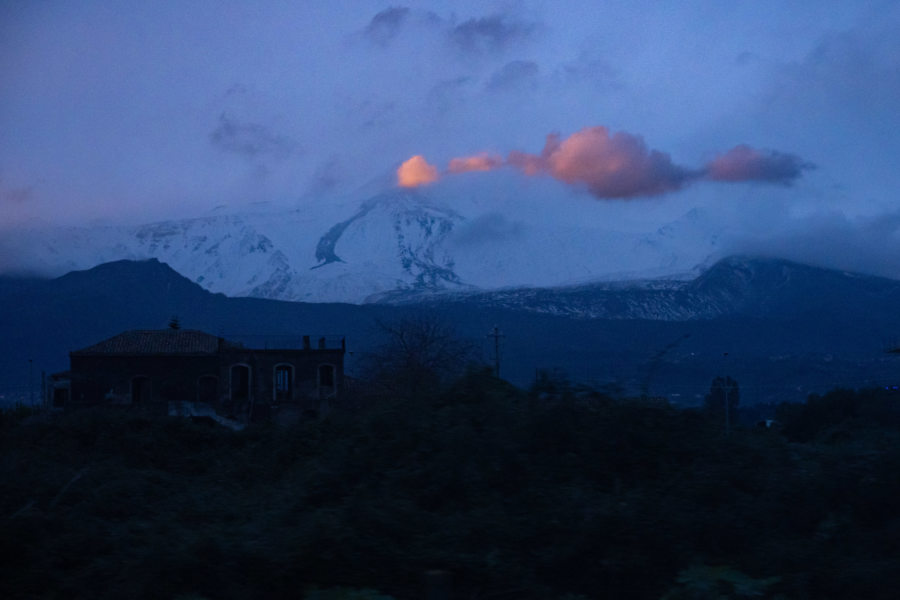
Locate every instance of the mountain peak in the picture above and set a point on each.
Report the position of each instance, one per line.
(131, 274)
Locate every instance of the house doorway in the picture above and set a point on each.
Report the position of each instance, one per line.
(140, 390)
(240, 383)
(327, 385)
(60, 397)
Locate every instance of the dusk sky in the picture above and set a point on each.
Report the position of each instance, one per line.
(781, 115)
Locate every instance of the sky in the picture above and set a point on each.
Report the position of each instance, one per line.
(777, 117)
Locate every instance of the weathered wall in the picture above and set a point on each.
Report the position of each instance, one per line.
(109, 379)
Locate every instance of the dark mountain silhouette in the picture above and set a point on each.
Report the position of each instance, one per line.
(780, 328)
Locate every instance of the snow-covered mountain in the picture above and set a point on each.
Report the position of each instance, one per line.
(453, 237)
(736, 286)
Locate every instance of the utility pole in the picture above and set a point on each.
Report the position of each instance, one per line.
(727, 411)
(727, 388)
(31, 382)
(495, 333)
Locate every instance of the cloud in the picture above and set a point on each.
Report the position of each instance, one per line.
(865, 244)
(416, 171)
(385, 25)
(516, 75)
(250, 139)
(743, 163)
(477, 162)
(15, 194)
(616, 165)
(596, 73)
(489, 34)
(326, 177)
(486, 228)
(447, 95)
(18, 195)
(609, 166)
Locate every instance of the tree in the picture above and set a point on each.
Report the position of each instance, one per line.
(721, 403)
(420, 354)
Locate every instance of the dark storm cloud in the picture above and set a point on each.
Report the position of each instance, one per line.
(743, 163)
(489, 34)
(385, 25)
(250, 140)
(518, 75)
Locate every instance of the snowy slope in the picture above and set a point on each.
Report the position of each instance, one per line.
(472, 233)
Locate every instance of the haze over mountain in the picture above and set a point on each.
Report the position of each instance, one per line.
(473, 233)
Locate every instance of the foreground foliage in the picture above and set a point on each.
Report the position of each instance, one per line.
(509, 494)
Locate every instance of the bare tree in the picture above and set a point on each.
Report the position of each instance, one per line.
(420, 354)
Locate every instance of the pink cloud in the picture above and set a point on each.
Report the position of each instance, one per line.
(477, 162)
(743, 163)
(616, 165)
(610, 166)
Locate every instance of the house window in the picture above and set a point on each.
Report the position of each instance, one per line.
(240, 383)
(326, 381)
(284, 382)
(140, 390)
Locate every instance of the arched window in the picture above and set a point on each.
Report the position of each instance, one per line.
(240, 383)
(283, 384)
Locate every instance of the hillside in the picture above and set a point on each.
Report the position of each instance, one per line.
(787, 329)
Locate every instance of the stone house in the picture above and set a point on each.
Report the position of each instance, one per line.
(177, 371)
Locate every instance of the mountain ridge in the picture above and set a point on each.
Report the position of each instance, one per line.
(747, 285)
(794, 340)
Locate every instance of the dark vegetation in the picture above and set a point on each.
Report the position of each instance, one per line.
(558, 492)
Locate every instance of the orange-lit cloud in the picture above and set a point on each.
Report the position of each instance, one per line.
(616, 165)
(416, 171)
(743, 163)
(477, 162)
(610, 166)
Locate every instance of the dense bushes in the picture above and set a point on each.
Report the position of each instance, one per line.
(512, 494)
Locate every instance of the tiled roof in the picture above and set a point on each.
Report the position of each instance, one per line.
(156, 341)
